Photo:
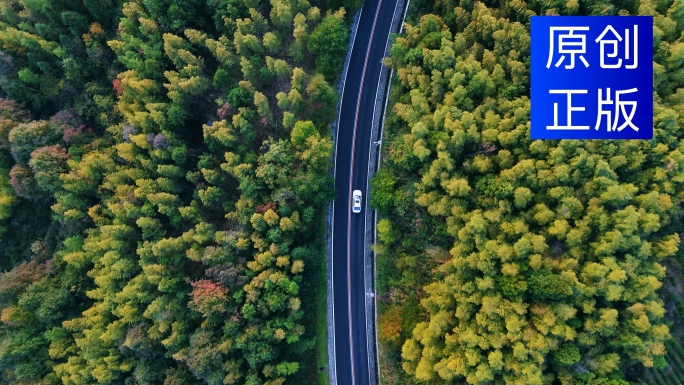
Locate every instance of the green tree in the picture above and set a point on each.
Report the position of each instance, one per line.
(328, 41)
(47, 164)
(553, 247)
(25, 138)
(382, 196)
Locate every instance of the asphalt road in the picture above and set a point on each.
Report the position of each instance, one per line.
(352, 364)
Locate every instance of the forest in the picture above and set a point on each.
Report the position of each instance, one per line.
(503, 260)
(164, 173)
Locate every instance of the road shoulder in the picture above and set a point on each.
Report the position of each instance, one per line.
(382, 92)
(329, 212)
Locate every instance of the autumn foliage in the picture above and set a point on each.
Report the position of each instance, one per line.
(208, 297)
(534, 262)
(389, 326)
(163, 171)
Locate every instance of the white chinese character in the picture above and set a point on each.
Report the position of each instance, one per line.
(569, 110)
(619, 106)
(570, 44)
(604, 41)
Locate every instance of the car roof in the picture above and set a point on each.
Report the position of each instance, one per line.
(356, 192)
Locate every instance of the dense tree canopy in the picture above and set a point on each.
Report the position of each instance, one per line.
(536, 261)
(164, 166)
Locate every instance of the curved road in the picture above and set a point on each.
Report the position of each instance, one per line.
(352, 355)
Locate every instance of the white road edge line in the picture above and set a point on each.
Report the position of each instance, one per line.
(332, 216)
(375, 212)
(374, 299)
(351, 174)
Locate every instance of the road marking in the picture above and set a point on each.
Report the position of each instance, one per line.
(365, 222)
(351, 175)
(379, 152)
(332, 229)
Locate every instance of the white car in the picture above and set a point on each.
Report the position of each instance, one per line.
(356, 201)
